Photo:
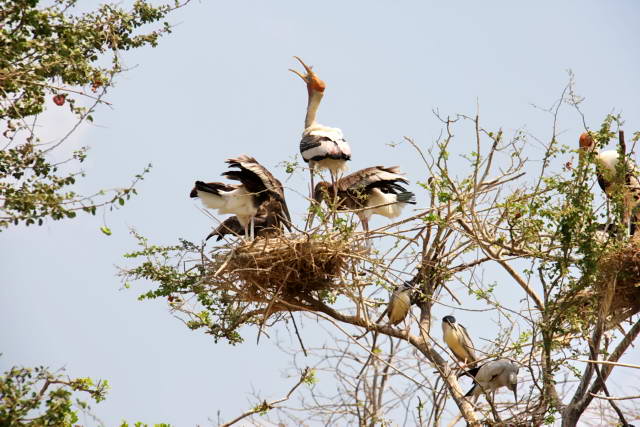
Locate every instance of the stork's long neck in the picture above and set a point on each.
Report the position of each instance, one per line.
(312, 108)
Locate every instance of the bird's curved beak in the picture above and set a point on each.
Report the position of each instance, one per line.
(515, 394)
(307, 68)
(310, 78)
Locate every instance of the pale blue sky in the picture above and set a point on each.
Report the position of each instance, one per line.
(219, 86)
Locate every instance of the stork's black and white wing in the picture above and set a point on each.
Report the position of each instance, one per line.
(321, 143)
(387, 179)
(259, 181)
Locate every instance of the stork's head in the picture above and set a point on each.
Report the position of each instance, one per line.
(321, 192)
(586, 142)
(449, 319)
(314, 84)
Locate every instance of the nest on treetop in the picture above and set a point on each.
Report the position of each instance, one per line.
(618, 283)
(615, 294)
(273, 274)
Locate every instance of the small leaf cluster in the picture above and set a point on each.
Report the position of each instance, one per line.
(38, 397)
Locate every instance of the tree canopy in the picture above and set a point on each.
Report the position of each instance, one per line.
(55, 52)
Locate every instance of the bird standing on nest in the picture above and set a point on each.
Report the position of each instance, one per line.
(607, 164)
(265, 224)
(372, 191)
(257, 188)
(322, 147)
(459, 341)
(493, 375)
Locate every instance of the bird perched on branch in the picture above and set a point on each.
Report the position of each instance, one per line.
(399, 303)
(493, 375)
(322, 147)
(396, 311)
(459, 341)
(607, 164)
(372, 191)
(257, 188)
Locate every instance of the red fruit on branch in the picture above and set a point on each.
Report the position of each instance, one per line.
(59, 99)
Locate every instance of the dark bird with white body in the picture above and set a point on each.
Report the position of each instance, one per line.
(322, 147)
(257, 187)
(372, 191)
(493, 375)
(459, 341)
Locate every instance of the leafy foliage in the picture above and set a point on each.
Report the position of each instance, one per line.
(37, 397)
(54, 51)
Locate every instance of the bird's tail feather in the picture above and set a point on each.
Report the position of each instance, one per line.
(470, 392)
(406, 197)
(203, 186)
(470, 372)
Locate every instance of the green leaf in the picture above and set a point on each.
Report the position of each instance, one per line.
(106, 230)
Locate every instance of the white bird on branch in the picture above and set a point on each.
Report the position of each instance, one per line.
(257, 188)
(607, 164)
(493, 375)
(372, 191)
(322, 147)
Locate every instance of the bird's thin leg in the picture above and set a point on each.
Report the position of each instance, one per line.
(246, 231)
(311, 176)
(253, 228)
(311, 199)
(334, 197)
(365, 227)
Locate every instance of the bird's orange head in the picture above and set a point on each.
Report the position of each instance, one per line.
(586, 141)
(314, 84)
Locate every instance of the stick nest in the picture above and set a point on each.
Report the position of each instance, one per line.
(281, 270)
(618, 282)
(616, 291)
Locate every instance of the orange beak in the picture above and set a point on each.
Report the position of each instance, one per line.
(310, 78)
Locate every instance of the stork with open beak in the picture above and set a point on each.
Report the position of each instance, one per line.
(257, 188)
(606, 170)
(322, 147)
(372, 191)
(492, 375)
(459, 341)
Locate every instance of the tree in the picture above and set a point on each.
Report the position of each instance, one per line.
(54, 52)
(524, 212)
(72, 58)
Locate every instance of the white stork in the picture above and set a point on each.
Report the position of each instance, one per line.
(372, 191)
(493, 375)
(606, 169)
(459, 341)
(257, 188)
(321, 146)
